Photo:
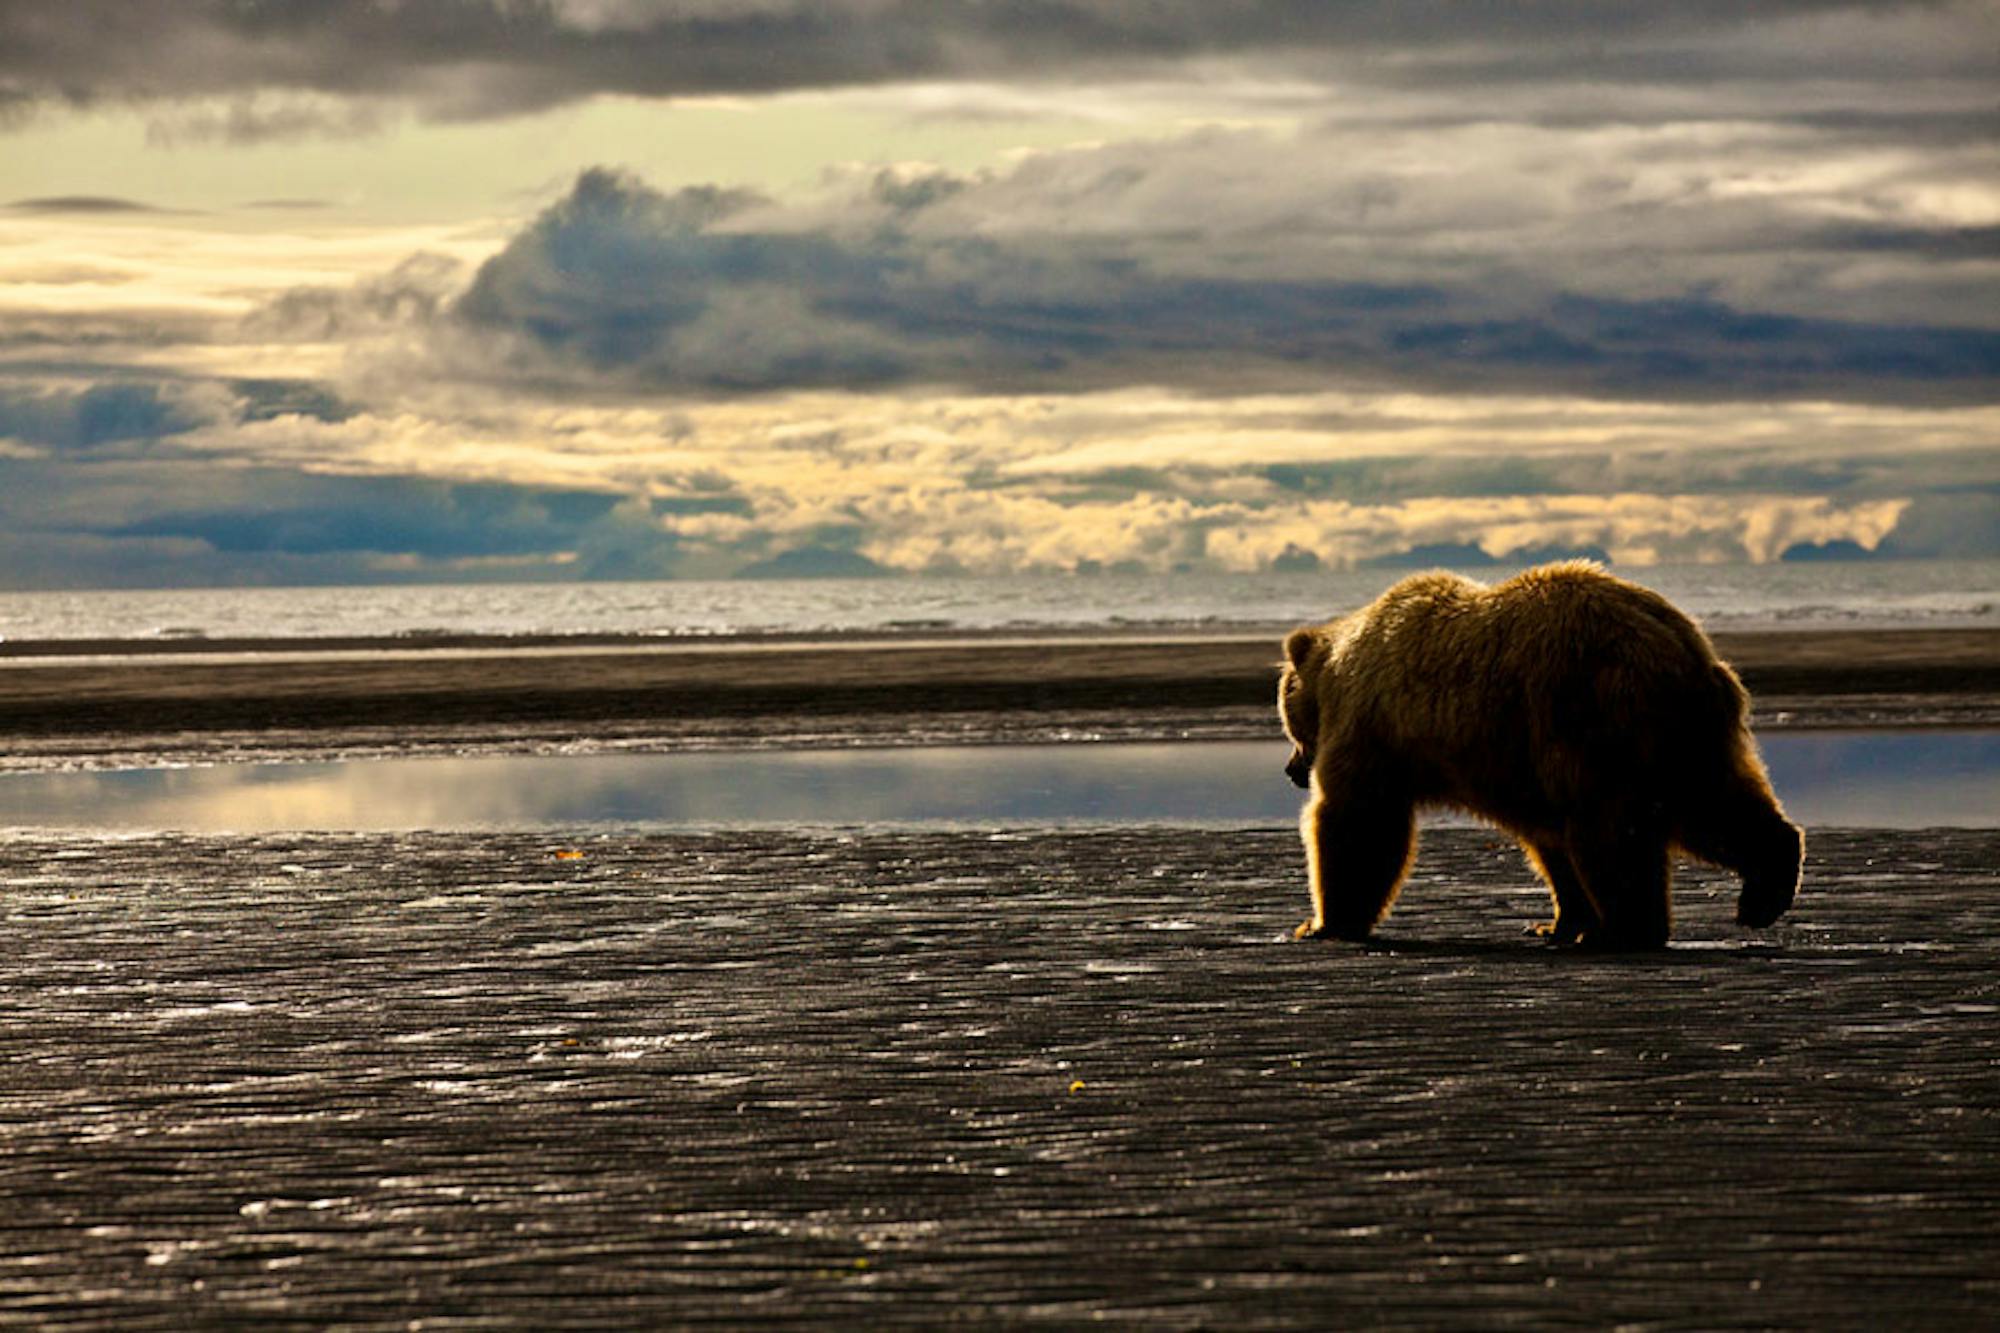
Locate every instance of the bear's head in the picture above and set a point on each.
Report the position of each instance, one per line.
(1298, 701)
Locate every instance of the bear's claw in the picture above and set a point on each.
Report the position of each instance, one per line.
(1326, 930)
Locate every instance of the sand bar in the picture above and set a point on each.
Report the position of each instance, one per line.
(473, 697)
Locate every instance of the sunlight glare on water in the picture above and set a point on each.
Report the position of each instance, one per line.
(1918, 593)
(1864, 779)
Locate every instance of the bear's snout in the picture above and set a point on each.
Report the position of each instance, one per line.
(1299, 769)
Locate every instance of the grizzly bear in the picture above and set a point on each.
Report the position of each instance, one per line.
(1583, 714)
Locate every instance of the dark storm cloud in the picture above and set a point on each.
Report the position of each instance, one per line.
(1703, 348)
(492, 57)
(297, 515)
(102, 415)
(625, 286)
(140, 521)
(268, 399)
(123, 415)
(613, 268)
(1936, 243)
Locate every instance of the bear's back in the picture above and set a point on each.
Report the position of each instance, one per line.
(1558, 662)
(1574, 615)
(1607, 666)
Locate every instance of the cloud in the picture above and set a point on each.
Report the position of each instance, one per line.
(291, 482)
(58, 273)
(473, 58)
(1006, 533)
(82, 203)
(383, 517)
(103, 415)
(1054, 276)
(1335, 284)
(813, 562)
(272, 399)
(190, 521)
(122, 416)
(1962, 526)
(247, 120)
(409, 294)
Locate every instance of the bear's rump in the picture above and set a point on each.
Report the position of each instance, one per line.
(1564, 738)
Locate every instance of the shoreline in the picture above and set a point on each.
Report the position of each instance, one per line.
(1756, 637)
(472, 643)
(132, 710)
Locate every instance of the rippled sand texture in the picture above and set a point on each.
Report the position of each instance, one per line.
(506, 1081)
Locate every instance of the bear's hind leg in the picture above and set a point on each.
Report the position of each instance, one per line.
(1357, 852)
(1574, 914)
(1742, 829)
(1627, 873)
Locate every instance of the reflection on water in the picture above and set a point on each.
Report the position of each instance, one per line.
(1883, 779)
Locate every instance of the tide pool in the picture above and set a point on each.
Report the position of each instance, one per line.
(1910, 779)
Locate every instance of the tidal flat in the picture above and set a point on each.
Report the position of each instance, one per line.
(541, 1080)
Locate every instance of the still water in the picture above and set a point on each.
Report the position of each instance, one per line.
(1865, 778)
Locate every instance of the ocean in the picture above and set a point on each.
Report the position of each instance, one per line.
(1833, 595)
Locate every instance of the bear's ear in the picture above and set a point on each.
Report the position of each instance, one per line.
(1299, 646)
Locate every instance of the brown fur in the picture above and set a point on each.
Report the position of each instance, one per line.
(1581, 713)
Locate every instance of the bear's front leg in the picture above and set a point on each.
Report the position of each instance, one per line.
(1357, 852)
(1738, 825)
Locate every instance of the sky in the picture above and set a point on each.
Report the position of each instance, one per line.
(332, 291)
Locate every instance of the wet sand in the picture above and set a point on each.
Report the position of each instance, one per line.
(1033, 1077)
(130, 708)
(1029, 1076)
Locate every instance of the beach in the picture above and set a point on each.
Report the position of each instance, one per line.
(641, 645)
(125, 703)
(867, 1076)
(1014, 1077)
